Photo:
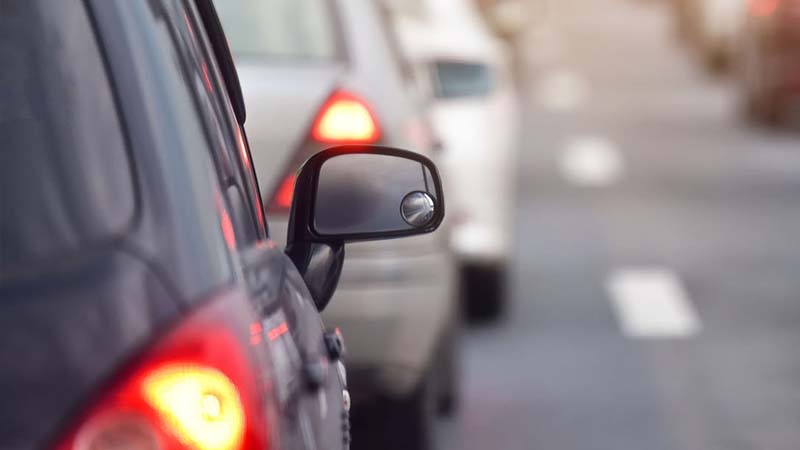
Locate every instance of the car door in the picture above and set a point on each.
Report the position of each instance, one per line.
(308, 383)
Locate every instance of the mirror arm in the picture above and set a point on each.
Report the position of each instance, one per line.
(320, 264)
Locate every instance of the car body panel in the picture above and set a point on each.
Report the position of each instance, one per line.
(311, 418)
(388, 334)
(478, 161)
(479, 133)
(62, 330)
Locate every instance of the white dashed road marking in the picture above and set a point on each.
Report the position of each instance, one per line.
(591, 161)
(652, 303)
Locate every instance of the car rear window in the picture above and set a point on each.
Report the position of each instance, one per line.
(65, 178)
(462, 79)
(280, 29)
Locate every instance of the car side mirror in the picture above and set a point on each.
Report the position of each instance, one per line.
(357, 193)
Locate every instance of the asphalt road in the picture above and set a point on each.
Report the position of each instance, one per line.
(640, 182)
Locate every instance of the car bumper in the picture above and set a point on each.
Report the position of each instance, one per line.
(392, 319)
(480, 243)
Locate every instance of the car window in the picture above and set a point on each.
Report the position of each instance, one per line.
(65, 175)
(293, 29)
(461, 79)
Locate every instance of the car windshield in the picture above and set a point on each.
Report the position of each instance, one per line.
(462, 79)
(65, 180)
(280, 29)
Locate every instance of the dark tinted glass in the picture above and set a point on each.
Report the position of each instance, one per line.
(458, 79)
(295, 29)
(65, 180)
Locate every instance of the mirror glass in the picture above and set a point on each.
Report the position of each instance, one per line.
(373, 193)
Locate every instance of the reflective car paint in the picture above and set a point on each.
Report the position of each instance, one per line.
(77, 324)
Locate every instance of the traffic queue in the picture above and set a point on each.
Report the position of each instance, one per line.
(224, 226)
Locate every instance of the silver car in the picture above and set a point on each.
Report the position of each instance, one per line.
(318, 73)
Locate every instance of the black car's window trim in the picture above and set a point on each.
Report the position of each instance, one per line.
(242, 177)
(223, 57)
(227, 71)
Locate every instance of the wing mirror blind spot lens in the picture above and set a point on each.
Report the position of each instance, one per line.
(417, 209)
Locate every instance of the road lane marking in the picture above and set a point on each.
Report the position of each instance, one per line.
(652, 303)
(591, 161)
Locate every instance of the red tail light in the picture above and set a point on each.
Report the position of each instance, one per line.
(345, 119)
(195, 390)
(282, 200)
(763, 8)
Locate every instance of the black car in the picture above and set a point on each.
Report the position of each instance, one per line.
(142, 304)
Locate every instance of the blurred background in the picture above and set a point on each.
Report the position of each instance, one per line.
(620, 265)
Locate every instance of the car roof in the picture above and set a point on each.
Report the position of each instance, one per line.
(459, 35)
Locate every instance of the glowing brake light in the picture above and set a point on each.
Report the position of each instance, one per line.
(195, 389)
(345, 118)
(763, 8)
(282, 200)
(199, 405)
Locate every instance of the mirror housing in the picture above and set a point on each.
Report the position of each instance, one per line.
(357, 193)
